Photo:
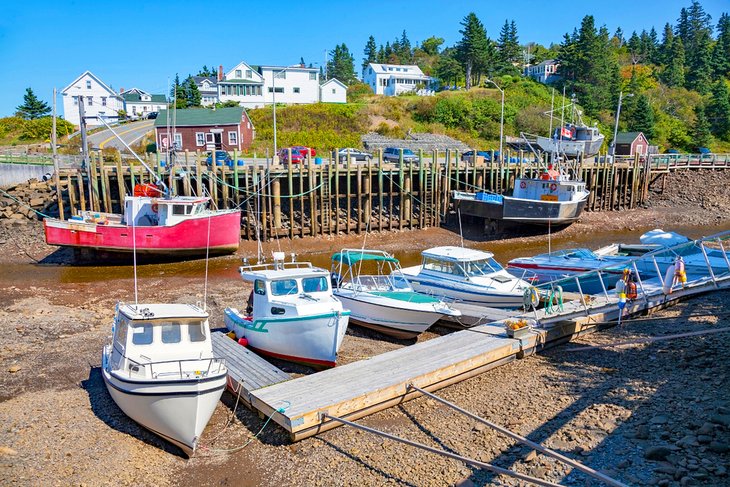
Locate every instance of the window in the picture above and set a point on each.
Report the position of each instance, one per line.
(120, 334)
(134, 109)
(333, 91)
(103, 101)
(76, 100)
(142, 333)
(259, 287)
(280, 75)
(171, 332)
(91, 99)
(296, 90)
(196, 332)
(284, 287)
(314, 284)
(249, 74)
(178, 209)
(178, 140)
(312, 76)
(88, 84)
(232, 138)
(199, 139)
(238, 74)
(279, 89)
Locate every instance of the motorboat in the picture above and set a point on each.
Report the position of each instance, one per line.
(152, 223)
(292, 313)
(380, 297)
(160, 370)
(553, 198)
(466, 275)
(572, 140)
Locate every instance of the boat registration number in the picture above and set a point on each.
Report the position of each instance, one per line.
(549, 197)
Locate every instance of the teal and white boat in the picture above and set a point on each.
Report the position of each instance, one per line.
(292, 313)
(381, 298)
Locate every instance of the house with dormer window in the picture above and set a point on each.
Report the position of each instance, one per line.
(208, 87)
(139, 104)
(242, 84)
(394, 79)
(98, 98)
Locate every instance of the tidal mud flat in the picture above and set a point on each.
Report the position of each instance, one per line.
(647, 414)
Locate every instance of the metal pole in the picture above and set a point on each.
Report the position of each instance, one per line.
(523, 440)
(85, 150)
(615, 126)
(57, 178)
(469, 461)
(501, 126)
(273, 103)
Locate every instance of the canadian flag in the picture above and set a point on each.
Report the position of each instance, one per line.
(565, 132)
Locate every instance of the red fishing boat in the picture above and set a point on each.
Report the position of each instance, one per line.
(171, 226)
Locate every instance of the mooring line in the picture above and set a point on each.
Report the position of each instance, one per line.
(469, 461)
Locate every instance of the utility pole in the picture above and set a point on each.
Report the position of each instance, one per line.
(57, 178)
(85, 150)
(615, 127)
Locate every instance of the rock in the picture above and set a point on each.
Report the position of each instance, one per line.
(642, 432)
(704, 439)
(530, 457)
(721, 471)
(13, 369)
(706, 429)
(723, 419)
(623, 464)
(6, 450)
(657, 453)
(687, 481)
(660, 419)
(719, 447)
(666, 469)
(688, 440)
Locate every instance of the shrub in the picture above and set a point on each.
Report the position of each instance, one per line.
(357, 91)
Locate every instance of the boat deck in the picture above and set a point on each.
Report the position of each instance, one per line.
(246, 370)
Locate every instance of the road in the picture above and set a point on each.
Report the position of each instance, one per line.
(130, 133)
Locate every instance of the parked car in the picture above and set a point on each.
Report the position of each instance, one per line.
(221, 157)
(296, 156)
(354, 154)
(152, 115)
(304, 150)
(672, 151)
(468, 156)
(393, 154)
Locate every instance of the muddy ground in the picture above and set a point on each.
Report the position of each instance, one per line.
(648, 414)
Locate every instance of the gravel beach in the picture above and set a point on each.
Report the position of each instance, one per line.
(646, 414)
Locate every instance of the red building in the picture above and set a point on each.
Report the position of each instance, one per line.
(205, 129)
(631, 143)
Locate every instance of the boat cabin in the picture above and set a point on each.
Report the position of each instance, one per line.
(549, 189)
(152, 341)
(368, 271)
(460, 262)
(576, 132)
(147, 211)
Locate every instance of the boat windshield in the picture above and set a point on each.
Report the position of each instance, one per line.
(284, 287)
(382, 283)
(315, 284)
(584, 254)
(482, 267)
(161, 331)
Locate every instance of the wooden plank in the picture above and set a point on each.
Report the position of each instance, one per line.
(120, 185)
(71, 195)
(82, 191)
(244, 366)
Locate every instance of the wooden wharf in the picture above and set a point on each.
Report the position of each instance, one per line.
(311, 199)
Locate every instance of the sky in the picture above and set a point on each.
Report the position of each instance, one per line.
(47, 44)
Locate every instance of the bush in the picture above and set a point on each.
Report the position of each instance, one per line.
(357, 91)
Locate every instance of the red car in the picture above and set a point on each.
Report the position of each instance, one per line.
(305, 150)
(296, 156)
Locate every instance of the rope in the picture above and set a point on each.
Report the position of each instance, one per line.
(241, 447)
(256, 193)
(24, 204)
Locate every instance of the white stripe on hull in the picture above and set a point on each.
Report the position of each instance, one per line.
(472, 296)
(409, 320)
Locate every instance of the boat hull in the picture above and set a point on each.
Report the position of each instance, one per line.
(176, 410)
(390, 318)
(313, 340)
(466, 294)
(525, 211)
(189, 237)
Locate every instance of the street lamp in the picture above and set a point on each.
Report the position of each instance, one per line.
(501, 120)
(615, 127)
(273, 99)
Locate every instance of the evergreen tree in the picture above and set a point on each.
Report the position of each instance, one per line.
(653, 46)
(673, 74)
(665, 48)
(695, 30)
(32, 107)
(508, 44)
(448, 69)
(473, 49)
(431, 45)
(619, 36)
(370, 52)
(381, 54)
(403, 50)
(205, 71)
(342, 65)
(642, 118)
(718, 110)
(701, 132)
(177, 93)
(721, 51)
(387, 53)
(634, 46)
(191, 92)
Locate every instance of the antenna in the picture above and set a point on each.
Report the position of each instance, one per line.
(134, 259)
(461, 233)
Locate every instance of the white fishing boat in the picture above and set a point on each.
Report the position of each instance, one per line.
(383, 300)
(292, 313)
(466, 275)
(160, 370)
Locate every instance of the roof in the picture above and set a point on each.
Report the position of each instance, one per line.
(269, 272)
(136, 97)
(411, 69)
(334, 80)
(627, 137)
(350, 257)
(192, 117)
(456, 254)
(288, 68)
(213, 80)
(98, 80)
(159, 311)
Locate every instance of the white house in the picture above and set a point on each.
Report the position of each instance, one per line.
(242, 84)
(545, 72)
(208, 87)
(138, 103)
(394, 79)
(98, 98)
(293, 85)
(333, 91)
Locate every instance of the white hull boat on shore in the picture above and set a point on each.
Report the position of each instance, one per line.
(161, 372)
(384, 301)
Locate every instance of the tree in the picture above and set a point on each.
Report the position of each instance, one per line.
(619, 36)
(402, 48)
(371, 53)
(508, 44)
(642, 118)
(721, 50)
(718, 110)
(673, 74)
(448, 69)
(695, 30)
(191, 93)
(701, 133)
(177, 93)
(205, 72)
(431, 45)
(32, 107)
(665, 48)
(473, 48)
(634, 46)
(341, 65)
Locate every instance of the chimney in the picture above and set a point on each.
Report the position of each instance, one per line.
(121, 90)
(220, 72)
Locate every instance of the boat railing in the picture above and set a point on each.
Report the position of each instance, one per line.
(174, 369)
(275, 266)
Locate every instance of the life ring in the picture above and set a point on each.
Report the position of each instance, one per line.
(523, 184)
(553, 187)
(155, 207)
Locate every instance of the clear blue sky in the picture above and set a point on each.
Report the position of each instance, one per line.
(47, 44)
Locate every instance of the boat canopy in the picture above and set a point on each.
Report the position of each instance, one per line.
(456, 254)
(350, 257)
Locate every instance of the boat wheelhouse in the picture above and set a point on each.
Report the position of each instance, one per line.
(292, 313)
(466, 275)
(572, 140)
(161, 371)
(371, 285)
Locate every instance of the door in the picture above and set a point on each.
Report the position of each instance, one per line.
(218, 141)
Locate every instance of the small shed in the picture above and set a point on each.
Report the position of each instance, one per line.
(333, 91)
(631, 143)
(205, 129)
